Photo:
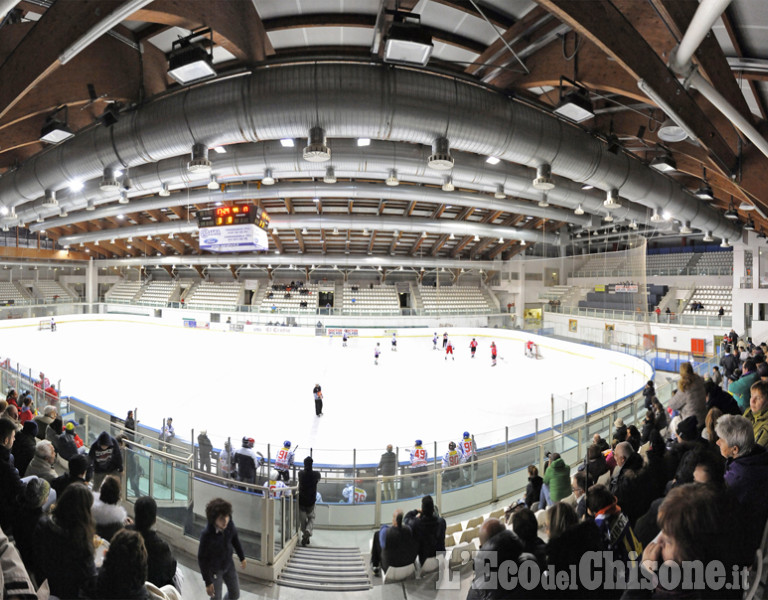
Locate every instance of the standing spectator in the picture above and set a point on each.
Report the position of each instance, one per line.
(691, 396)
(133, 469)
(44, 420)
(108, 514)
(161, 566)
(10, 484)
(24, 446)
(308, 479)
(533, 489)
(214, 556)
(167, 434)
(627, 484)
(69, 443)
(757, 413)
(556, 483)
(388, 470)
(106, 458)
(428, 529)
(393, 545)
(661, 418)
(130, 427)
(649, 391)
(225, 461)
(730, 363)
(717, 376)
(64, 544)
(204, 448)
(42, 464)
(317, 392)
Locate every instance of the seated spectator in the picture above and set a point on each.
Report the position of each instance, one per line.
(612, 523)
(740, 389)
(579, 487)
(746, 469)
(14, 579)
(50, 412)
(627, 485)
(67, 446)
(498, 546)
(620, 430)
(123, 576)
(558, 518)
(633, 437)
(12, 414)
(428, 529)
(64, 544)
(708, 433)
(24, 446)
(757, 413)
(78, 472)
(596, 465)
(26, 412)
(526, 528)
(42, 463)
(533, 489)
(660, 414)
(600, 442)
(161, 566)
(108, 515)
(556, 482)
(393, 545)
(10, 483)
(31, 500)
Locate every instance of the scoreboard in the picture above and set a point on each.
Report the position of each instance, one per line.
(236, 228)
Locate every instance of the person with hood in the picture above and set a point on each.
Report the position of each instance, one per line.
(24, 446)
(42, 463)
(533, 489)
(78, 471)
(719, 398)
(557, 481)
(757, 413)
(204, 449)
(31, 500)
(428, 529)
(308, 479)
(106, 458)
(691, 396)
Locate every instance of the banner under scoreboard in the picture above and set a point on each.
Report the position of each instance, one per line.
(238, 228)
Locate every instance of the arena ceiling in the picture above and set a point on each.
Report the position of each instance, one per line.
(497, 71)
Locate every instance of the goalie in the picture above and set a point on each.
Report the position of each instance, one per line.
(532, 349)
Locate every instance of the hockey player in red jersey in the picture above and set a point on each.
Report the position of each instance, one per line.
(449, 350)
(473, 347)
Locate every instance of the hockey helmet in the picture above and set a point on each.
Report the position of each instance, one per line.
(466, 434)
(287, 443)
(273, 475)
(451, 445)
(418, 442)
(248, 442)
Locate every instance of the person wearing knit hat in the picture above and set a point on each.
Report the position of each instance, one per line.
(35, 492)
(78, 472)
(688, 429)
(32, 501)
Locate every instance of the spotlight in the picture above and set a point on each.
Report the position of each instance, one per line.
(704, 192)
(492, 160)
(671, 132)
(576, 104)
(188, 60)
(287, 143)
(664, 163)
(361, 142)
(55, 130)
(407, 42)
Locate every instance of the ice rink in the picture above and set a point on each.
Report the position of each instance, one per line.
(259, 385)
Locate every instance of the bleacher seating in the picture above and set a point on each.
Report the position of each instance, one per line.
(600, 263)
(715, 262)
(280, 303)
(210, 294)
(454, 299)
(671, 263)
(123, 291)
(712, 297)
(158, 291)
(50, 290)
(9, 292)
(381, 300)
(626, 301)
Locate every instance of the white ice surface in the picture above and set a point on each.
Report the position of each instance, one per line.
(260, 385)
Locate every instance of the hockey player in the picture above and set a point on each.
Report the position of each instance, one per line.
(530, 349)
(318, 394)
(445, 339)
(493, 354)
(245, 460)
(419, 457)
(53, 324)
(284, 461)
(225, 461)
(449, 350)
(434, 341)
(353, 494)
(452, 458)
(376, 353)
(275, 485)
(344, 338)
(473, 347)
(394, 342)
(468, 453)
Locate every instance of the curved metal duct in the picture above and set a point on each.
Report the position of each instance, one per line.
(376, 101)
(409, 224)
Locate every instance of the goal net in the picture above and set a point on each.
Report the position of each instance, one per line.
(46, 324)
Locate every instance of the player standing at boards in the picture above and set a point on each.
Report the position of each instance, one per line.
(317, 391)
(344, 338)
(419, 458)
(434, 341)
(493, 354)
(376, 353)
(473, 347)
(449, 350)
(284, 461)
(445, 339)
(394, 342)
(468, 453)
(452, 458)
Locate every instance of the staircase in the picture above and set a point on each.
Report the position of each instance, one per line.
(326, 569)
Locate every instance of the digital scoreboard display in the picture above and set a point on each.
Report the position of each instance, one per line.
(236, 228)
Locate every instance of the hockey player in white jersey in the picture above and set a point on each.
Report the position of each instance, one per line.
(452, 458)
(275, 485)
(468, 453)
(419, 462)
(284, 461)
(353, 494)
(245, 460)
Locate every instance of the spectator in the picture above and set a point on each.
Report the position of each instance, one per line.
(649, 393)
(167, 433)
(691, 396)
(64, 544)
(498, 547)
(600, 442)
(596, 465)
(393, 545)
(526, 527)
(709, 428)
(730, 363)
(31, 500)
(50, 412)
(53, 431)
(633, 437)
(660, 415)
(533, 489)
(579, 487)
(612, 522)
(649, 425)
(556, 481)
(108, 514)
(620, 430)
(130, 426)
(762, 370)
(133, 468)
(26, 412)
(388, 470)
(626, 484)
(428, 529)
(717, 376)
(559, 518)
(42, 463)
(106, 458)
(24, 446)
(68, 445)
(10, 484)
(740, 388)
(78, 471)
(757, 413)
(720, 399)
(308, 479)
(214, 555)
(13, 576)
(12, 414)
(161, 566)
(246, 459)
(204, 449)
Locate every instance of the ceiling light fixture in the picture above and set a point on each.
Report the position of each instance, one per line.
(392, 180)
(579, 210)
(731, 212)
(685, 228)
(725, 244)
(76, 185)
(188, 59)
(55, 130)
(316, 149)
(612, 199)
(362, 142)
(492, 160)
(664, 163)
(199, 162)
(749, 225)
(499, 192)
(448, 184)
(287, 143)
(50, 199)
(543, 179)
(656, 217)
(501, 240)
(544, 202)
(330, 175)
(575, 105)
(671, 132)
(708, 237)
(219, 149)
(91, 205)
(164, 191)
(746, 206)
(123, 198)
(213, 183)
(407, 42)
(633, 225)
(108, 181)
(440, 159)
(587, 186)
(522, 242)
(63, 212)
(452, 237)
(268, 179)
(477, 238)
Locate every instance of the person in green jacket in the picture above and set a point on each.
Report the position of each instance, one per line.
(557, 478)
(757, 413)
(740, 388)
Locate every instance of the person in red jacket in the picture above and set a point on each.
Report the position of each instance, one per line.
(493, 354)
(449, 350)
(473, 347)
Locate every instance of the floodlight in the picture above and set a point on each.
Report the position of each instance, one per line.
(55, 130)
(189, 61)
(408, 43)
